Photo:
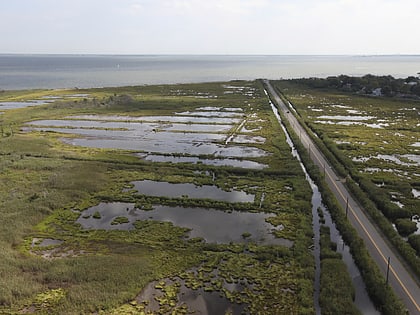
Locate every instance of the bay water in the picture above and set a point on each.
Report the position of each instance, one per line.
(84, 71)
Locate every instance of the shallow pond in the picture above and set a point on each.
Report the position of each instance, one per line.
(179, 119)
(150, 132)
(132, 126)
(247, 139)
(196, 160)
(155, 136)
(170, 145)
(220, 109)
(345, 117)
(349, 123)
(210, 114)
(155, 188)
(412, 159)
(15, 105)
(212, 225)
(141, 135)
(198, 301)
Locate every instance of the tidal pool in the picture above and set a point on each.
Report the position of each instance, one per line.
(179, 119)
(199, 302)
(212, 225)
(15, 105)
(143, 136)
(155, 188)
(220, 109)
(160, 137)
(414, 160)
(168, 146)
(247, 139)
(197, 160)
(349, 123)
(131, 126)
(246, 130)
(210, 114)
(347, 118)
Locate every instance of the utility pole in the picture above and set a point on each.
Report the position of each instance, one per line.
(347, 206)
(387, 270)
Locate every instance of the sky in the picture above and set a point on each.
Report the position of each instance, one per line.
(262, 27)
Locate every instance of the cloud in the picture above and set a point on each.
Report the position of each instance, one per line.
(211, 26)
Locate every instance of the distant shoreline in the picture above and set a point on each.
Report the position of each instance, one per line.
(57, 71)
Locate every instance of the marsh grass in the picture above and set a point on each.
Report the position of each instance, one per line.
(389, 180)
(46, 184)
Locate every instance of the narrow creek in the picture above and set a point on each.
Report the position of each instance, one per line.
(362, 300)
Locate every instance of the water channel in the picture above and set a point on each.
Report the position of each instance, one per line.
(362, 300)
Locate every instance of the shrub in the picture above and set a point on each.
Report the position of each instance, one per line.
(414, 241)
(405, 226)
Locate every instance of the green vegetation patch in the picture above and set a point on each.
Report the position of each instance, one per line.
(46, 184)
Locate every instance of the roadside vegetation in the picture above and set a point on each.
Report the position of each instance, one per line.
(46, 185)
(337, 291)
(363, 142)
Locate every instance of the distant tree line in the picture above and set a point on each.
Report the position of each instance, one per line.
(368, 85)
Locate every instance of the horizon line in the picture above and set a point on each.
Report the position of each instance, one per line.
(226, 55)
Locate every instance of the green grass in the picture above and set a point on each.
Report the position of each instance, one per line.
(46, 184)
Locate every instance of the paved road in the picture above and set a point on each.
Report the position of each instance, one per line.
(399, 278)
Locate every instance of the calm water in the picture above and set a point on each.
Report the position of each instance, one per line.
(68, 71)
(213, 225)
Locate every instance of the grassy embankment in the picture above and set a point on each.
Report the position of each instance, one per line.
(45, 185)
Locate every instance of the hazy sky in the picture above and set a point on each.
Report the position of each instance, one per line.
(210, 26)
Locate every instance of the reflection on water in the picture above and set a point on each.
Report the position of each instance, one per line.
(179, 119)
(132, 126)
(349, 123)
(362, 300)
(196, 160)
(155, 134)
(212, 225)
(169, 146)
(344, 117)
(199, 302)
(154, 188)
(15, 105)
(413, 159)
(210, 114)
